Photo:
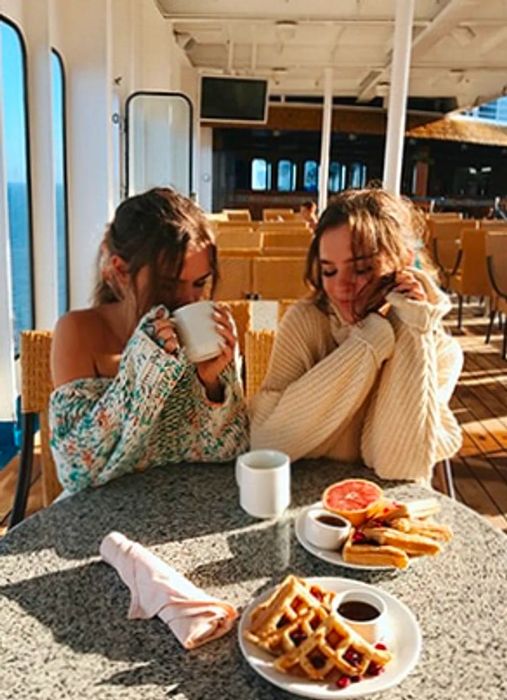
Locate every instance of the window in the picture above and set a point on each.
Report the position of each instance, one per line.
(15, 130)
(159, 141)
(337, 175)
(357, 175)
(311, 176)
(261, 174)
(58, 109)
(286, 180)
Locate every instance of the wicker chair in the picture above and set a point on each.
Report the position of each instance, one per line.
(242, 313)
(259, 345)
(36, 386)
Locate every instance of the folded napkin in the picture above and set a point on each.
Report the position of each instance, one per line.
(157, 589)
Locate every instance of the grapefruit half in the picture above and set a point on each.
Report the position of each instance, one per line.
(350, 498)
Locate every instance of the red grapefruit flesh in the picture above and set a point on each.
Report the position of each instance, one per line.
(350, 498)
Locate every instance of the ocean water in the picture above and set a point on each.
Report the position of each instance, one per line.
(21, 256)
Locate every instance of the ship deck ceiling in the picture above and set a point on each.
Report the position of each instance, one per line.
(458, 50)
(479, 403)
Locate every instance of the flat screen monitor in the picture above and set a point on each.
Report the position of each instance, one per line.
(234, 99)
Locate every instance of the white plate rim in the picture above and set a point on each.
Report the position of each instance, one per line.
(257, 657)
(328, 555)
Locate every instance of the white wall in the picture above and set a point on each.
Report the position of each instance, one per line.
(110, 48)
(141, 54)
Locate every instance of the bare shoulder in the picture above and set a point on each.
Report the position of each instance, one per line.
(74, 337)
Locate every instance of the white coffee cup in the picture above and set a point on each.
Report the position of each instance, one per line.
(263, 478)
(373, 629)
(196, 329)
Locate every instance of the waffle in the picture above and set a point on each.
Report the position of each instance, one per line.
(333, 647)
(373, 554)
(413, 544)
(290, 614)
(426, 528)
(292, 634)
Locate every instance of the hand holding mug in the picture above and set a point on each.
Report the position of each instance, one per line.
(210, 370)
(165, 335)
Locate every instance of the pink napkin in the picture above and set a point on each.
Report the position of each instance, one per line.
(157, 589)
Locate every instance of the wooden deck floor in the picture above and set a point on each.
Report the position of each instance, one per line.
(480, 404)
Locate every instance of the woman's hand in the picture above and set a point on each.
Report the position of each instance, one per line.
(408, 285)
(164, 333)
(210, 370)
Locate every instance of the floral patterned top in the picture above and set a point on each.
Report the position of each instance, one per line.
(154, 411)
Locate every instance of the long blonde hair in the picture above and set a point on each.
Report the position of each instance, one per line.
(382, 225)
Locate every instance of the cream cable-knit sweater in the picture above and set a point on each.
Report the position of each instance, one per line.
(377, 391)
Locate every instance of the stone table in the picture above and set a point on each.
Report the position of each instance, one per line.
(64, 631)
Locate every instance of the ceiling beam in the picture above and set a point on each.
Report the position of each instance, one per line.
(439, 27)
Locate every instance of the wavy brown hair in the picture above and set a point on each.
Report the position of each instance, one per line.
(384, 226)
(155, 229)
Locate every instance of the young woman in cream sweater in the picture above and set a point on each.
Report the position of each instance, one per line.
(364, 370)
(126, 396)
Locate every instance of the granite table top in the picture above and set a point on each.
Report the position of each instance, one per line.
(64, 631)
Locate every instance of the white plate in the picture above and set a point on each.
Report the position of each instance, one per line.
(329, 555)
(403, 640)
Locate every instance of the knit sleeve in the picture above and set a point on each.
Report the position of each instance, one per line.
(100, 427)
(409, 425)
(221, 429)
(304, 399)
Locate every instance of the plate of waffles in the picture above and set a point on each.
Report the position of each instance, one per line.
(292, 636)
(330, 555)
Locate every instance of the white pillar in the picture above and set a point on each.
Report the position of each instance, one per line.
(7, 375)
(205, 187)
(325, 143)
(42, 165)
(396, 115)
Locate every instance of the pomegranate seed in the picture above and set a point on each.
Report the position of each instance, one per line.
(374, 669)
(343, 682)
(381, 646)
(355, 679)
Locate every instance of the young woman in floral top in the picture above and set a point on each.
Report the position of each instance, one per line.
(126, 396)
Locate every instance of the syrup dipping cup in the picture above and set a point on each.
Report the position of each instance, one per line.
(365, 612)
(326, 530)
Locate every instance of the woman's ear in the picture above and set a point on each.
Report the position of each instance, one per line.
(410, 257)
(120, 270)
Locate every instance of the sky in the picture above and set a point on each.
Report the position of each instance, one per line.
(14, 107)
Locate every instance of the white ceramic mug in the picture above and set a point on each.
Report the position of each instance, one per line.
(196, 330)
(263, 478)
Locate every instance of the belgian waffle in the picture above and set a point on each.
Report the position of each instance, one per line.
(293, 603)
(367, 553)
(426, 528)
(333, 647)
(413, 544)
(292, 634)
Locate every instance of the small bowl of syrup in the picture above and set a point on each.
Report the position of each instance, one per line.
(326, 530)
(365, 612)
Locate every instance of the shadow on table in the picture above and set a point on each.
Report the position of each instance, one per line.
(85, 608)
(173, 503)
(272, 553)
